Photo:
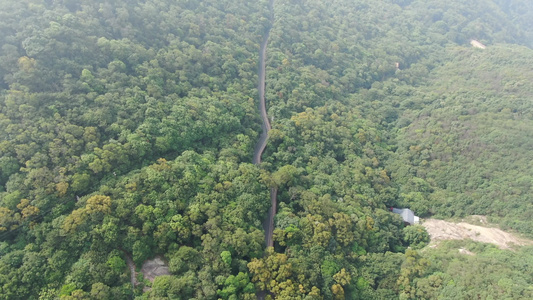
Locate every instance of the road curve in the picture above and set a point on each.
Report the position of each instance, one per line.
(265, 123)
(268, 224)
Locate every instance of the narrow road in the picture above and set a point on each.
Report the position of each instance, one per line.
(268, 224)
(265, 125)
(131, 266)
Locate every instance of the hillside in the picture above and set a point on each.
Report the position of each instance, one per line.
(464, 141)
(440, 230)
(130, 131)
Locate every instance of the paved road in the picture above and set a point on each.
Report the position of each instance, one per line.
(265, 125)
(268, 224)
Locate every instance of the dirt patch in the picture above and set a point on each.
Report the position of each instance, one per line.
(154, 267)
(464, 251)
(443, 230)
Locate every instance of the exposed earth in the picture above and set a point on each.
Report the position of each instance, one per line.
(444, 230)
(153, 268)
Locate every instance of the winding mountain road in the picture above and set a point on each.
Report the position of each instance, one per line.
(265, 125)
(268, 224)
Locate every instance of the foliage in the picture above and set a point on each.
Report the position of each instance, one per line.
(127, 131)
(415, 236)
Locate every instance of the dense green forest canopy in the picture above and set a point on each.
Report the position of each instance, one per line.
(127, 131)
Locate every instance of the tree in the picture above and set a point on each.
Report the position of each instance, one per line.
(415, 236)
(414, 266)
(226, 257)
(100, 291)
(285, 175)
(117, 264)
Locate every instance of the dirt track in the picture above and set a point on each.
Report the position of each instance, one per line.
(131, 266)
(444, 230)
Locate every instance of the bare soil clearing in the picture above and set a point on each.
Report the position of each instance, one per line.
(153, 268)
(443, 230)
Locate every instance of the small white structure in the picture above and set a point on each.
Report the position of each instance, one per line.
(477, 44)
(408, 215)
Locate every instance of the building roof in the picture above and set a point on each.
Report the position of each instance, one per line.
(407, 215)
(477, 44)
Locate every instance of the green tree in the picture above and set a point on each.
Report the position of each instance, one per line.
(415, 236)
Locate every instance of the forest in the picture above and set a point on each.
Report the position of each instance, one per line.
(127, 131)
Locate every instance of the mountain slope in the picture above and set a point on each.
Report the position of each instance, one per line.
(127, 129)
(468, 149)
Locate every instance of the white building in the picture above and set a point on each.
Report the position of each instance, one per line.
(477, 44)
(408, 215)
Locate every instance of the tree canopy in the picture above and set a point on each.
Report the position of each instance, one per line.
(127, 131)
